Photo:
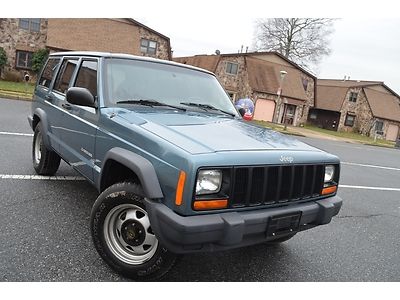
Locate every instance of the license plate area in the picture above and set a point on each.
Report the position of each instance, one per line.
(283, 224)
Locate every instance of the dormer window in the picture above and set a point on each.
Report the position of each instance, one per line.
(232, 68)
(353, 96)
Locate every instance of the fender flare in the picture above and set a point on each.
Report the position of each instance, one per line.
(41, 114)
(139, 165)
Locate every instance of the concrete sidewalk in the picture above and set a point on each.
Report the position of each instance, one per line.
(313, 134)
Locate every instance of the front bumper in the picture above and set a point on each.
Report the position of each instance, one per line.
(229, 230)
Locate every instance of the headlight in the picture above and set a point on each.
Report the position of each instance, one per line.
(208, 182)
(329, 172)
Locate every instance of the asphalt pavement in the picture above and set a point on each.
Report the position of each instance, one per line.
(45, 233)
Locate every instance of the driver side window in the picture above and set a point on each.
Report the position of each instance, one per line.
(87, 76)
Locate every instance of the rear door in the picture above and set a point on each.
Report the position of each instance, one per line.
(45, 100)
(80, 122)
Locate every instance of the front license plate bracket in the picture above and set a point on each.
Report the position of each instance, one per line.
(283, 224)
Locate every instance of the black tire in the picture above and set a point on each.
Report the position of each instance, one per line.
(280, 240)
(45, 161)
(120, 207)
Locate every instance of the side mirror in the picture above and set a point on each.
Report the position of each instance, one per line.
(80, 96)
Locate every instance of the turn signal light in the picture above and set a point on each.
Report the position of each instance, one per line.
(210, 204)
(329, 190)
(179, 188)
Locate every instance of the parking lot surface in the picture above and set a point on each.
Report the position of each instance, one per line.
(45, 233)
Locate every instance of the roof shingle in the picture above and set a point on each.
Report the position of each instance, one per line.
(264, 76)
(383, 105)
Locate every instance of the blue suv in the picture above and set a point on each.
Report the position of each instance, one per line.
(177, 168)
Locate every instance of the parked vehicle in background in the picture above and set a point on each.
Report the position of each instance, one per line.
(177, 168)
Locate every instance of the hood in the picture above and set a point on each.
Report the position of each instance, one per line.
(199, 133)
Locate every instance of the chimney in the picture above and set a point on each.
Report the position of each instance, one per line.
(247, 48)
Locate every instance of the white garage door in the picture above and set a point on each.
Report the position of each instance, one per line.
(392, 132)
(264, 110)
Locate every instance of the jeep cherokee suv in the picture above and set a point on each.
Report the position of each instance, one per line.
(177, 168)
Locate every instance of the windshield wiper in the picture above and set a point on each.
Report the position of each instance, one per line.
(207, 107)
(149, 102)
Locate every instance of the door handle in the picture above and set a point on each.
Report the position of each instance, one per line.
(48, 97)
(66, 106)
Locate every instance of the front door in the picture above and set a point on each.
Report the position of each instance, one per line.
(288, 114)
(79, 123)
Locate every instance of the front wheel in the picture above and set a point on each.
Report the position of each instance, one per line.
(123, 236)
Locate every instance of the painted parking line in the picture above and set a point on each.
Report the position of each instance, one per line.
(16, 133)
(40, 177)
(369, 166)
(369, 187)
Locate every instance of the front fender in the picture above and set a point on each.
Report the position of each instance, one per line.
(139, 165)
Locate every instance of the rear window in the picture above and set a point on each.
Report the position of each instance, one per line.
(49, 72)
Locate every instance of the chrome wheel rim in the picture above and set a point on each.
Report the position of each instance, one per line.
(37, 153)
(128, 234)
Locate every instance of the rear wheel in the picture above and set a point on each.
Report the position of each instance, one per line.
(45, 161)
(123, 235)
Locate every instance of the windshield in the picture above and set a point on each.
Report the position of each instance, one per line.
(128, 79)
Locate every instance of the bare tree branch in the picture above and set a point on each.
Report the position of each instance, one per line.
(303, 40)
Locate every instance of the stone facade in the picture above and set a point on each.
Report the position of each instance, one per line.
(237, 85)
(14, 38)
(163, 46)
(109, 35)
(310, 102)
(360, 109)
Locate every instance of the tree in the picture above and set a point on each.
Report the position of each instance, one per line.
(38, 59)
(304, 41)
(3, 59)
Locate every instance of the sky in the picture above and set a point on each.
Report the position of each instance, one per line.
(365, 43)
(363, 48)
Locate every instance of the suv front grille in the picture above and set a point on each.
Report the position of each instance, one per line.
(269, 185)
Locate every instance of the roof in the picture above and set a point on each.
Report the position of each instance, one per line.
(347, 83)
(127, 56)
(262, 53)
(264, 76)
(210, 62)
(207, 62)
(383, 105)
(331, 93)
(330, 97)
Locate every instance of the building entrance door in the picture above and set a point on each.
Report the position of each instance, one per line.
(288, 114)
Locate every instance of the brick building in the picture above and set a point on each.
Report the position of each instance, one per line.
(365, 107)
(22, 37)
(257, 75)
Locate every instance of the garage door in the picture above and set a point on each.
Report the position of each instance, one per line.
(264, 110)
(392, 132)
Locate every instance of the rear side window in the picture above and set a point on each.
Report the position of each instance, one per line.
(87, 76)
(64, 76)
(49, 72)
